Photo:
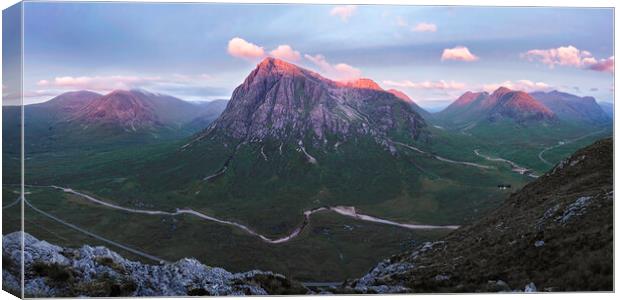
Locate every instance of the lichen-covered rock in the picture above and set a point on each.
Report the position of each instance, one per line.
(97, 271)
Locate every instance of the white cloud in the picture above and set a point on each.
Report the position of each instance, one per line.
(520, 85)
(241, 48)
(459, 53)
(339, 71)
(425, 27)
(343, 12)
(286, 52)
(427, 85)
(570, 56)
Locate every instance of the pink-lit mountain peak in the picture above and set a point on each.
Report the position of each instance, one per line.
(362, 83)
(274, 65)
(400, 95)
(468, 98)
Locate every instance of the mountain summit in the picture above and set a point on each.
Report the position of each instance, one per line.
(282, 101)
(503, 103)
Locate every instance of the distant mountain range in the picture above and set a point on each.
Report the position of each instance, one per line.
(91, 117)
(570, 107)
(523, 108)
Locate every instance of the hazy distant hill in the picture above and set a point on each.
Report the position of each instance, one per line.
(573, 108)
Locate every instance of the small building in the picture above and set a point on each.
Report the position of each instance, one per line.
(503, 186)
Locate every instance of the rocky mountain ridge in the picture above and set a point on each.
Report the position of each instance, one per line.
(282, 101)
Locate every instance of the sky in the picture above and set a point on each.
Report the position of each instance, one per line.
(203, 51)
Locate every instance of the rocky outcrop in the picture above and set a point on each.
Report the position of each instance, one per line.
(282, 101)
(555, 234)
(53, 271)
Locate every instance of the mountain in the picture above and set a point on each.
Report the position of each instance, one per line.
(281, 101)
(209, 112)
(53, 271)
(573, 108)
(502, 104)
(136, 109)
(66, 103)
(608, 108)
(555, 234)
(517, 105)
(401, 95)
(84, 118)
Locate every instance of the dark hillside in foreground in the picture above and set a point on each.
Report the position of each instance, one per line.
(556, 234)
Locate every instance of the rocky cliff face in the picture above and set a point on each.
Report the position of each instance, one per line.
(556, 234)
(53, 271)
(279, 100)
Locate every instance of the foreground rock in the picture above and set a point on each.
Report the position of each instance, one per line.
(556, 234)
(53, 271)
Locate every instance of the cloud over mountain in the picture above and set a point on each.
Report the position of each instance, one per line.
(285, 52)
(570, 56)
(340, 71)
(520, 85)
(459, 53)
(241, 48)
(428, 85)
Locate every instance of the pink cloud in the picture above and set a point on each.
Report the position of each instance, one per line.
(426, 27)
(285, 52)
(241, 48)
(339, 71)
(427, 85)
(343, 12)
(520, 85)
(570, 56)
(603, 65)
(458, 53)
(121, 82)
(564, 56)
(97, 82)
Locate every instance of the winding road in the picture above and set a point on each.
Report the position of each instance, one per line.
(540, 155)
(437, 157)
(347, 211)
(86, 232)
(515, 168)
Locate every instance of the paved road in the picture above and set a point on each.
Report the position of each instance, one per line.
(437, 157)
(94, 235)
(515, 168)
(348, 211)
(12, 203)
(540, 155)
